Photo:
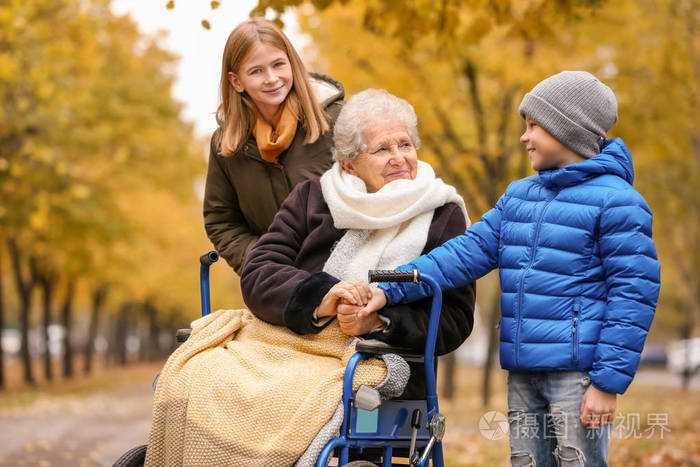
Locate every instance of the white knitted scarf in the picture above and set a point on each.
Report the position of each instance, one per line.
(384, 229)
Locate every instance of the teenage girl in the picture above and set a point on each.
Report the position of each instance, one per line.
(275, 123)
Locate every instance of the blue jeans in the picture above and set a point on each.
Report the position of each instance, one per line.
(545, 428)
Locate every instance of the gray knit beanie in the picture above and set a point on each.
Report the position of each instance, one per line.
(574, 107)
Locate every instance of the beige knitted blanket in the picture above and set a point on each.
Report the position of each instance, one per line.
(242, 392)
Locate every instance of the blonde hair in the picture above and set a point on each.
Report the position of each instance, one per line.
(236, 111)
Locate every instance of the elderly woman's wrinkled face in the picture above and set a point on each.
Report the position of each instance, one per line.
(390, 156)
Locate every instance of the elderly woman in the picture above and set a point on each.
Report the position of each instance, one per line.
(264, 388)
(378, 203)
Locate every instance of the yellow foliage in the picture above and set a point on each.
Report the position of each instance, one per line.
(39, 219)
(8, 67)
(80, 191)
(61, 169)
(16, 170)
(477, 29)
(89, 119)
(121, 155)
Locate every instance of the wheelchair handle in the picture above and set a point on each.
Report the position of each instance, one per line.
(207, 259)
(383, 275)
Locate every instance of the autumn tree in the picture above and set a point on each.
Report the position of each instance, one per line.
(76, 148)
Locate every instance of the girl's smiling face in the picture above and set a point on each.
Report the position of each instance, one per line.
(266, 75)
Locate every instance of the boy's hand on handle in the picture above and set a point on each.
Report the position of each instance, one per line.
(353, 292)
(597, 407)
(376, 303)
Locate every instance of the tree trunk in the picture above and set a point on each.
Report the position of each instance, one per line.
(47, 286)
(175, 321)
(153, 344)
(121, 334)
(686, 374)
(67, 321)
(493, 318)
(99, 295)
(24, 290)
(2, 324)
(447, 368)
(111, 335)
(142, 331)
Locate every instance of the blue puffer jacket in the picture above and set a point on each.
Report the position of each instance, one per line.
(578, 269)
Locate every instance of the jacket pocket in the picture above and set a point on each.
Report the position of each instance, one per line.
(574, 329)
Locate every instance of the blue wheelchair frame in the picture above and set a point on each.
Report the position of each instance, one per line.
(393, 424)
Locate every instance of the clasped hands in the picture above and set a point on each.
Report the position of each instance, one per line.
(354, 303)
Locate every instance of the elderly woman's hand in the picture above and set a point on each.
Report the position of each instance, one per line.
(376, 302)
(352, 292)
(351, 324)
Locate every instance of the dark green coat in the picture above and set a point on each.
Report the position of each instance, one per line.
(243, 192)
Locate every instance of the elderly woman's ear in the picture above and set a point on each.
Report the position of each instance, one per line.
(349, 168)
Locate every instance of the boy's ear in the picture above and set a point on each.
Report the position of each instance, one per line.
(235, 82)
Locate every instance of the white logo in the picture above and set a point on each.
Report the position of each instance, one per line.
(493, 425)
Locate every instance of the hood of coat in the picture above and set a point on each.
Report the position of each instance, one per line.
(614, 159)
(326, 89)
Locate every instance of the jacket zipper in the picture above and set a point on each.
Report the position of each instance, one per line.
(574, 330)
(522, 280)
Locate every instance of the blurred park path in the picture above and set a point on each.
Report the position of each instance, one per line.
(77, 430)
(664, 378)
(93, 425)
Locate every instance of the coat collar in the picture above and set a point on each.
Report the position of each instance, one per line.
(614, 159)
(326, 89)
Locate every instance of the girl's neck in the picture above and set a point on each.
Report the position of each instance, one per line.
(267, 112)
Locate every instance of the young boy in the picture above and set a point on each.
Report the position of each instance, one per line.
(578, 270)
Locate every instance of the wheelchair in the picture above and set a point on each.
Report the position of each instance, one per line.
(373, 432)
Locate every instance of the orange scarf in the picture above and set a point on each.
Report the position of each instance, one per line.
(273, 139)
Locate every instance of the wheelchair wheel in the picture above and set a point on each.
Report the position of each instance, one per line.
(360, 464)
(134, 457)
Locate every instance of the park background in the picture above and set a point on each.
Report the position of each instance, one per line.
(104, 129)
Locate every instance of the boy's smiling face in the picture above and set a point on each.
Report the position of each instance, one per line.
(545, 151)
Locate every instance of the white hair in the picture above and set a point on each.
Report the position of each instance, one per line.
(364, 110)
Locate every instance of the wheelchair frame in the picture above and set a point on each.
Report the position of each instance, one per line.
(388, 426)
